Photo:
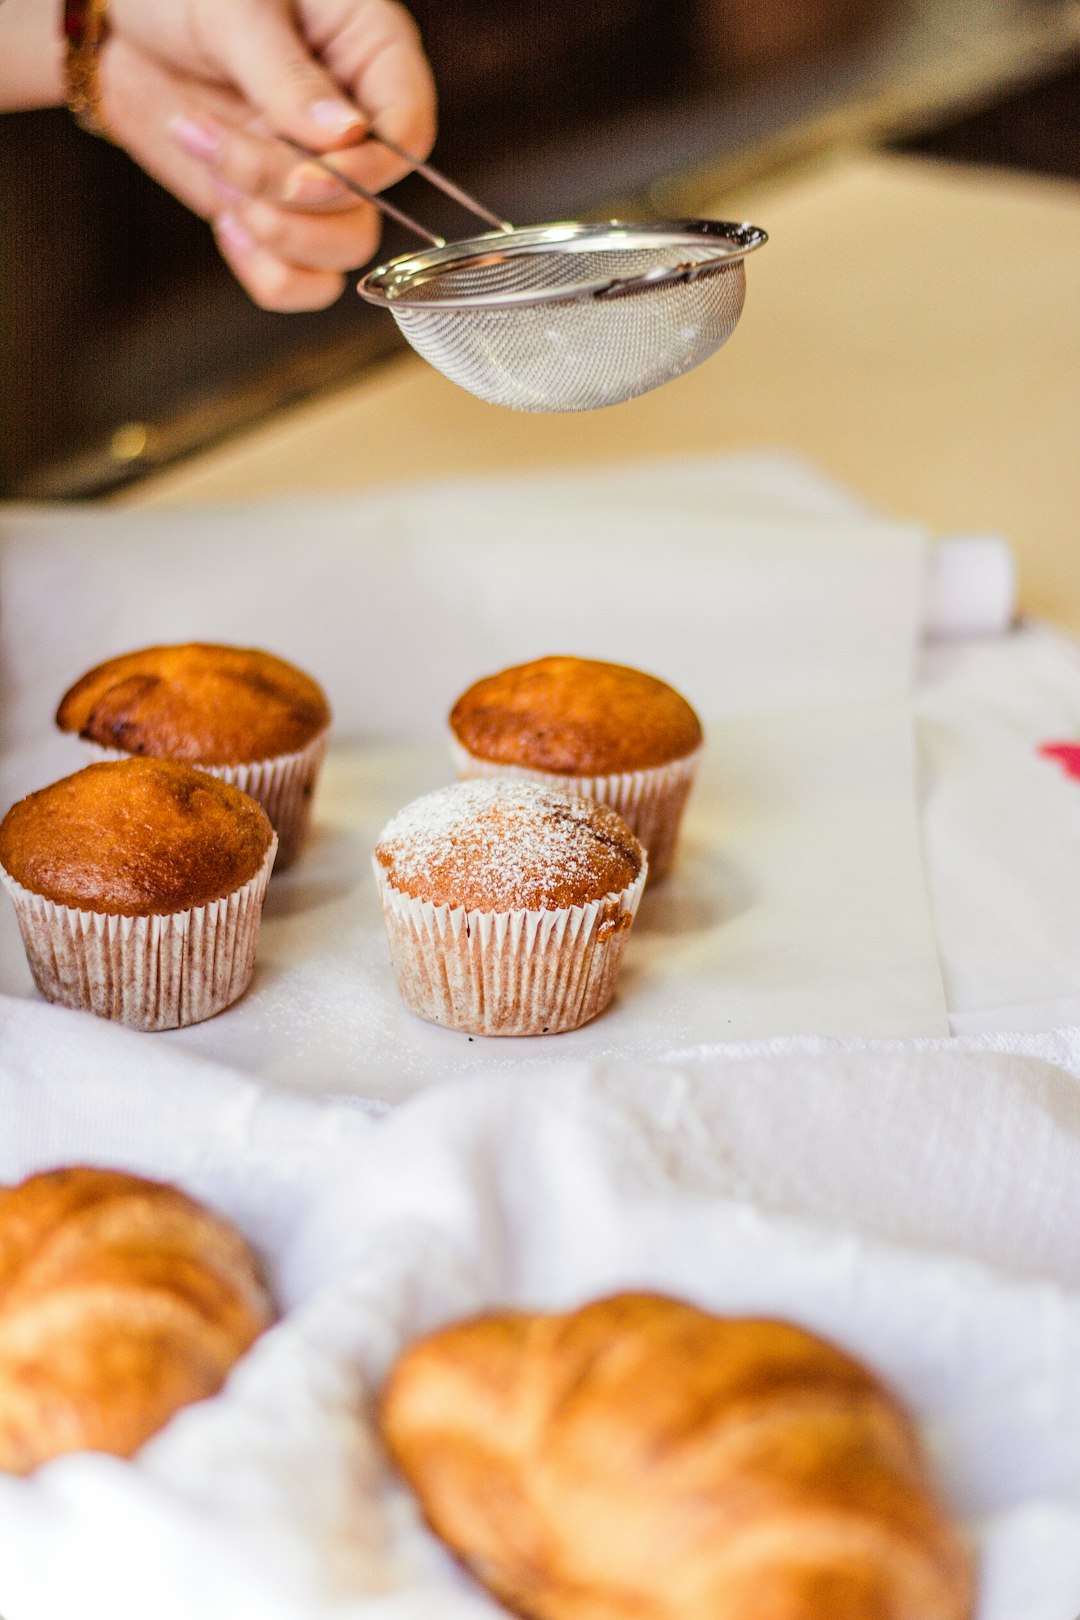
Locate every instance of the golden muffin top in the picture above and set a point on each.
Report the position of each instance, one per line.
(575, 717)
(500, 844)
(201, 703)
(135, 837)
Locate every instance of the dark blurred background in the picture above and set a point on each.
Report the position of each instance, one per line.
(126, 343)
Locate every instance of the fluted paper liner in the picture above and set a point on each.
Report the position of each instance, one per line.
(284, 786)
(520, 972)
(155, 972)
(651, 802)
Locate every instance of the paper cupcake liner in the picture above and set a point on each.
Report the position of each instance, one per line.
(156, 972)
(284, 786)
(510, 972)
(651, 802)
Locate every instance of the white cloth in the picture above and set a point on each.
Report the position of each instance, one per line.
(915, 1199)
(920, 1207)
(1001, 829)
(971, 588)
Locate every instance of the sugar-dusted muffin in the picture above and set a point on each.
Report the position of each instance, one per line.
(507, 905)
(246, 716)
(138, 886)
(640, 1457)
(121, 1300)
(601, 730)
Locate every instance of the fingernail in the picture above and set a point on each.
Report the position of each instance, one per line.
(336, 117)
(309, 184)
(230, 193)
(196, 139)
(235, 236)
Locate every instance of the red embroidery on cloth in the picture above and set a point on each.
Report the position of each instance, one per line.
(1067, 755)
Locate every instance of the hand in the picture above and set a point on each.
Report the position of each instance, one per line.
(195, 89)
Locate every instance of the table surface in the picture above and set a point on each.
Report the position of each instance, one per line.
(912, 326)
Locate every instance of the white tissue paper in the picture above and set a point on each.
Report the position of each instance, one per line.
(790, 619)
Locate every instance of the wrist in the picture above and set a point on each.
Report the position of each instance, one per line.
(31, 55)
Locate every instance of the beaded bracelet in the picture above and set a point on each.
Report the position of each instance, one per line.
(86, 28)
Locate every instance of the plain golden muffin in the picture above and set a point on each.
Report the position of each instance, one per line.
(641, 1458)
(575, 717)
(121, 1300)
(205, 704)
(134, 838)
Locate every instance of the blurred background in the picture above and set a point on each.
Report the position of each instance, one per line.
(127, 345)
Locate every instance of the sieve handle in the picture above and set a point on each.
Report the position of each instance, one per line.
(445, 184)
(669, 275)
(441, 181)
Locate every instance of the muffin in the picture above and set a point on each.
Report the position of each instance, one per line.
(242, 714)
(672, 1465)
(139, 887)
(121, 1300)
(507, 905)
(600, 730)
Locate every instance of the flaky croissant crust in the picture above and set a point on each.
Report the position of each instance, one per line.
(121, 1300)
(640, 1459)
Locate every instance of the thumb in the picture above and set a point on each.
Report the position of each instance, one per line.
(259, 48)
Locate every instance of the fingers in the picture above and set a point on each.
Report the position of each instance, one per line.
(269, 280)
(139, 97)
(291, 209)
(324, 71)
(258, 49)
(378, 54)
(311, 241)
(287, 229)
(252, 165)
(135, 86)
(259, 165)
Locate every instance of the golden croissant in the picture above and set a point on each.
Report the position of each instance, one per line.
(639, 1459)
(121, 1300)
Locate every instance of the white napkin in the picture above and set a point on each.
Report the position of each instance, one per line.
(1001, 825)
(919, 1208)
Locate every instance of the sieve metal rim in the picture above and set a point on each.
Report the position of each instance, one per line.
(389, 284)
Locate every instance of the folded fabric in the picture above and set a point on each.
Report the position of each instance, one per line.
(919, 1207)
(1001, 828)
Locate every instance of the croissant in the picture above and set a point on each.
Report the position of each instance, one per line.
(639, 1459)
(121, 1300)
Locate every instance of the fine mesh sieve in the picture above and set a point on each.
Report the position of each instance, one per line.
(563, 317)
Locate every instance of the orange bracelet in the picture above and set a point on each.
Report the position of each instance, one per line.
(86, 28)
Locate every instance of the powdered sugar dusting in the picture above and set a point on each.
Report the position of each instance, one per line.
(501, 845)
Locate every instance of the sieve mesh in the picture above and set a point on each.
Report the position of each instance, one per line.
(547, 352)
